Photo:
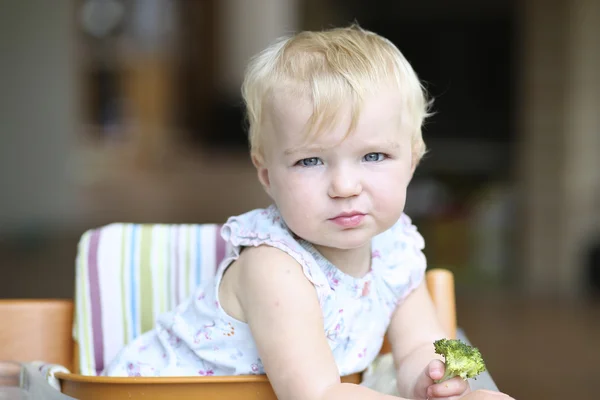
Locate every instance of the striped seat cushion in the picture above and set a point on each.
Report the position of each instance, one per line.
(128, 274)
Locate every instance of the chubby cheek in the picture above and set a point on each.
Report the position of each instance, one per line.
(389, 195)
(294, 197)
(391, 203)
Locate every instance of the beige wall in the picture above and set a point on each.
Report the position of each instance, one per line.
(559, 167)
(38, 111)
(247, 27)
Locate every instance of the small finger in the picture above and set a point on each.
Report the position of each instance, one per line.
(436, 369)
(451, 387)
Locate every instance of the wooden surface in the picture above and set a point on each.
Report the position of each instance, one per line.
(440, 283)
(36, 330)
(181, 388)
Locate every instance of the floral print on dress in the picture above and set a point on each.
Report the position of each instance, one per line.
(200, 338)
(257, 367)
(137, 369)
(205, 333)
(206, 372)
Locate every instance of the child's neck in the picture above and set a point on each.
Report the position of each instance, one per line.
(353, 262)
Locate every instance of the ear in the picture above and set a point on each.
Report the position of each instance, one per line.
(413, 167)
(263, 172)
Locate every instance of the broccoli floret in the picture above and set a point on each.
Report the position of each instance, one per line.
(460, 359)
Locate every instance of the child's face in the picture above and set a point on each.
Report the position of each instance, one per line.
(338, 193)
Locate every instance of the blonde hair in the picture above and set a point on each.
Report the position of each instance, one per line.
(328, 68)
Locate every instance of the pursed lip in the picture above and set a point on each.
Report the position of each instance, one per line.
(348, 214)
(348, 220)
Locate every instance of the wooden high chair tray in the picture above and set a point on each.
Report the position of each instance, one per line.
(251, 387)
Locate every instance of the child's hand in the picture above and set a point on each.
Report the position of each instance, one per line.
(451, 389)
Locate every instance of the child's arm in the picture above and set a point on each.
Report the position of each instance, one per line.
(413, 329)
(282, 309)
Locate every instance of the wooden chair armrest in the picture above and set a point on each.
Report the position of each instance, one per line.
(36, 330)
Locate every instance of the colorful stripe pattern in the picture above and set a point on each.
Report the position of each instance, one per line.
(128, 274)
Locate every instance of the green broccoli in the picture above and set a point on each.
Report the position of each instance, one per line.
(460, 359)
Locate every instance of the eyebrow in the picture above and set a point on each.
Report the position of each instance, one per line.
(308, 149)
(319, 149)
(392, 144)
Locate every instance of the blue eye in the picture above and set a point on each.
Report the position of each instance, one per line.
(374, 157)
(310, 162)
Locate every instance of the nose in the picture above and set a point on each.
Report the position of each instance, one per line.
(344, 183)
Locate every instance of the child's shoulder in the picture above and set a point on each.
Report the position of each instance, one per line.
(262, 234)
(261, 226)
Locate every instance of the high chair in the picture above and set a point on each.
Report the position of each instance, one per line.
(128, 274)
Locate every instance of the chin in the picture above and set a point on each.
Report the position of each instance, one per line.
(348, 240)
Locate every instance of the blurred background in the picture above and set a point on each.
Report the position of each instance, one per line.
(129, 110)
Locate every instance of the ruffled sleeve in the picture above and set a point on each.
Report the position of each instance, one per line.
(266, 227)
(398, 262)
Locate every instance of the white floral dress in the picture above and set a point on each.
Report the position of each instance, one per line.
(200, 338)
